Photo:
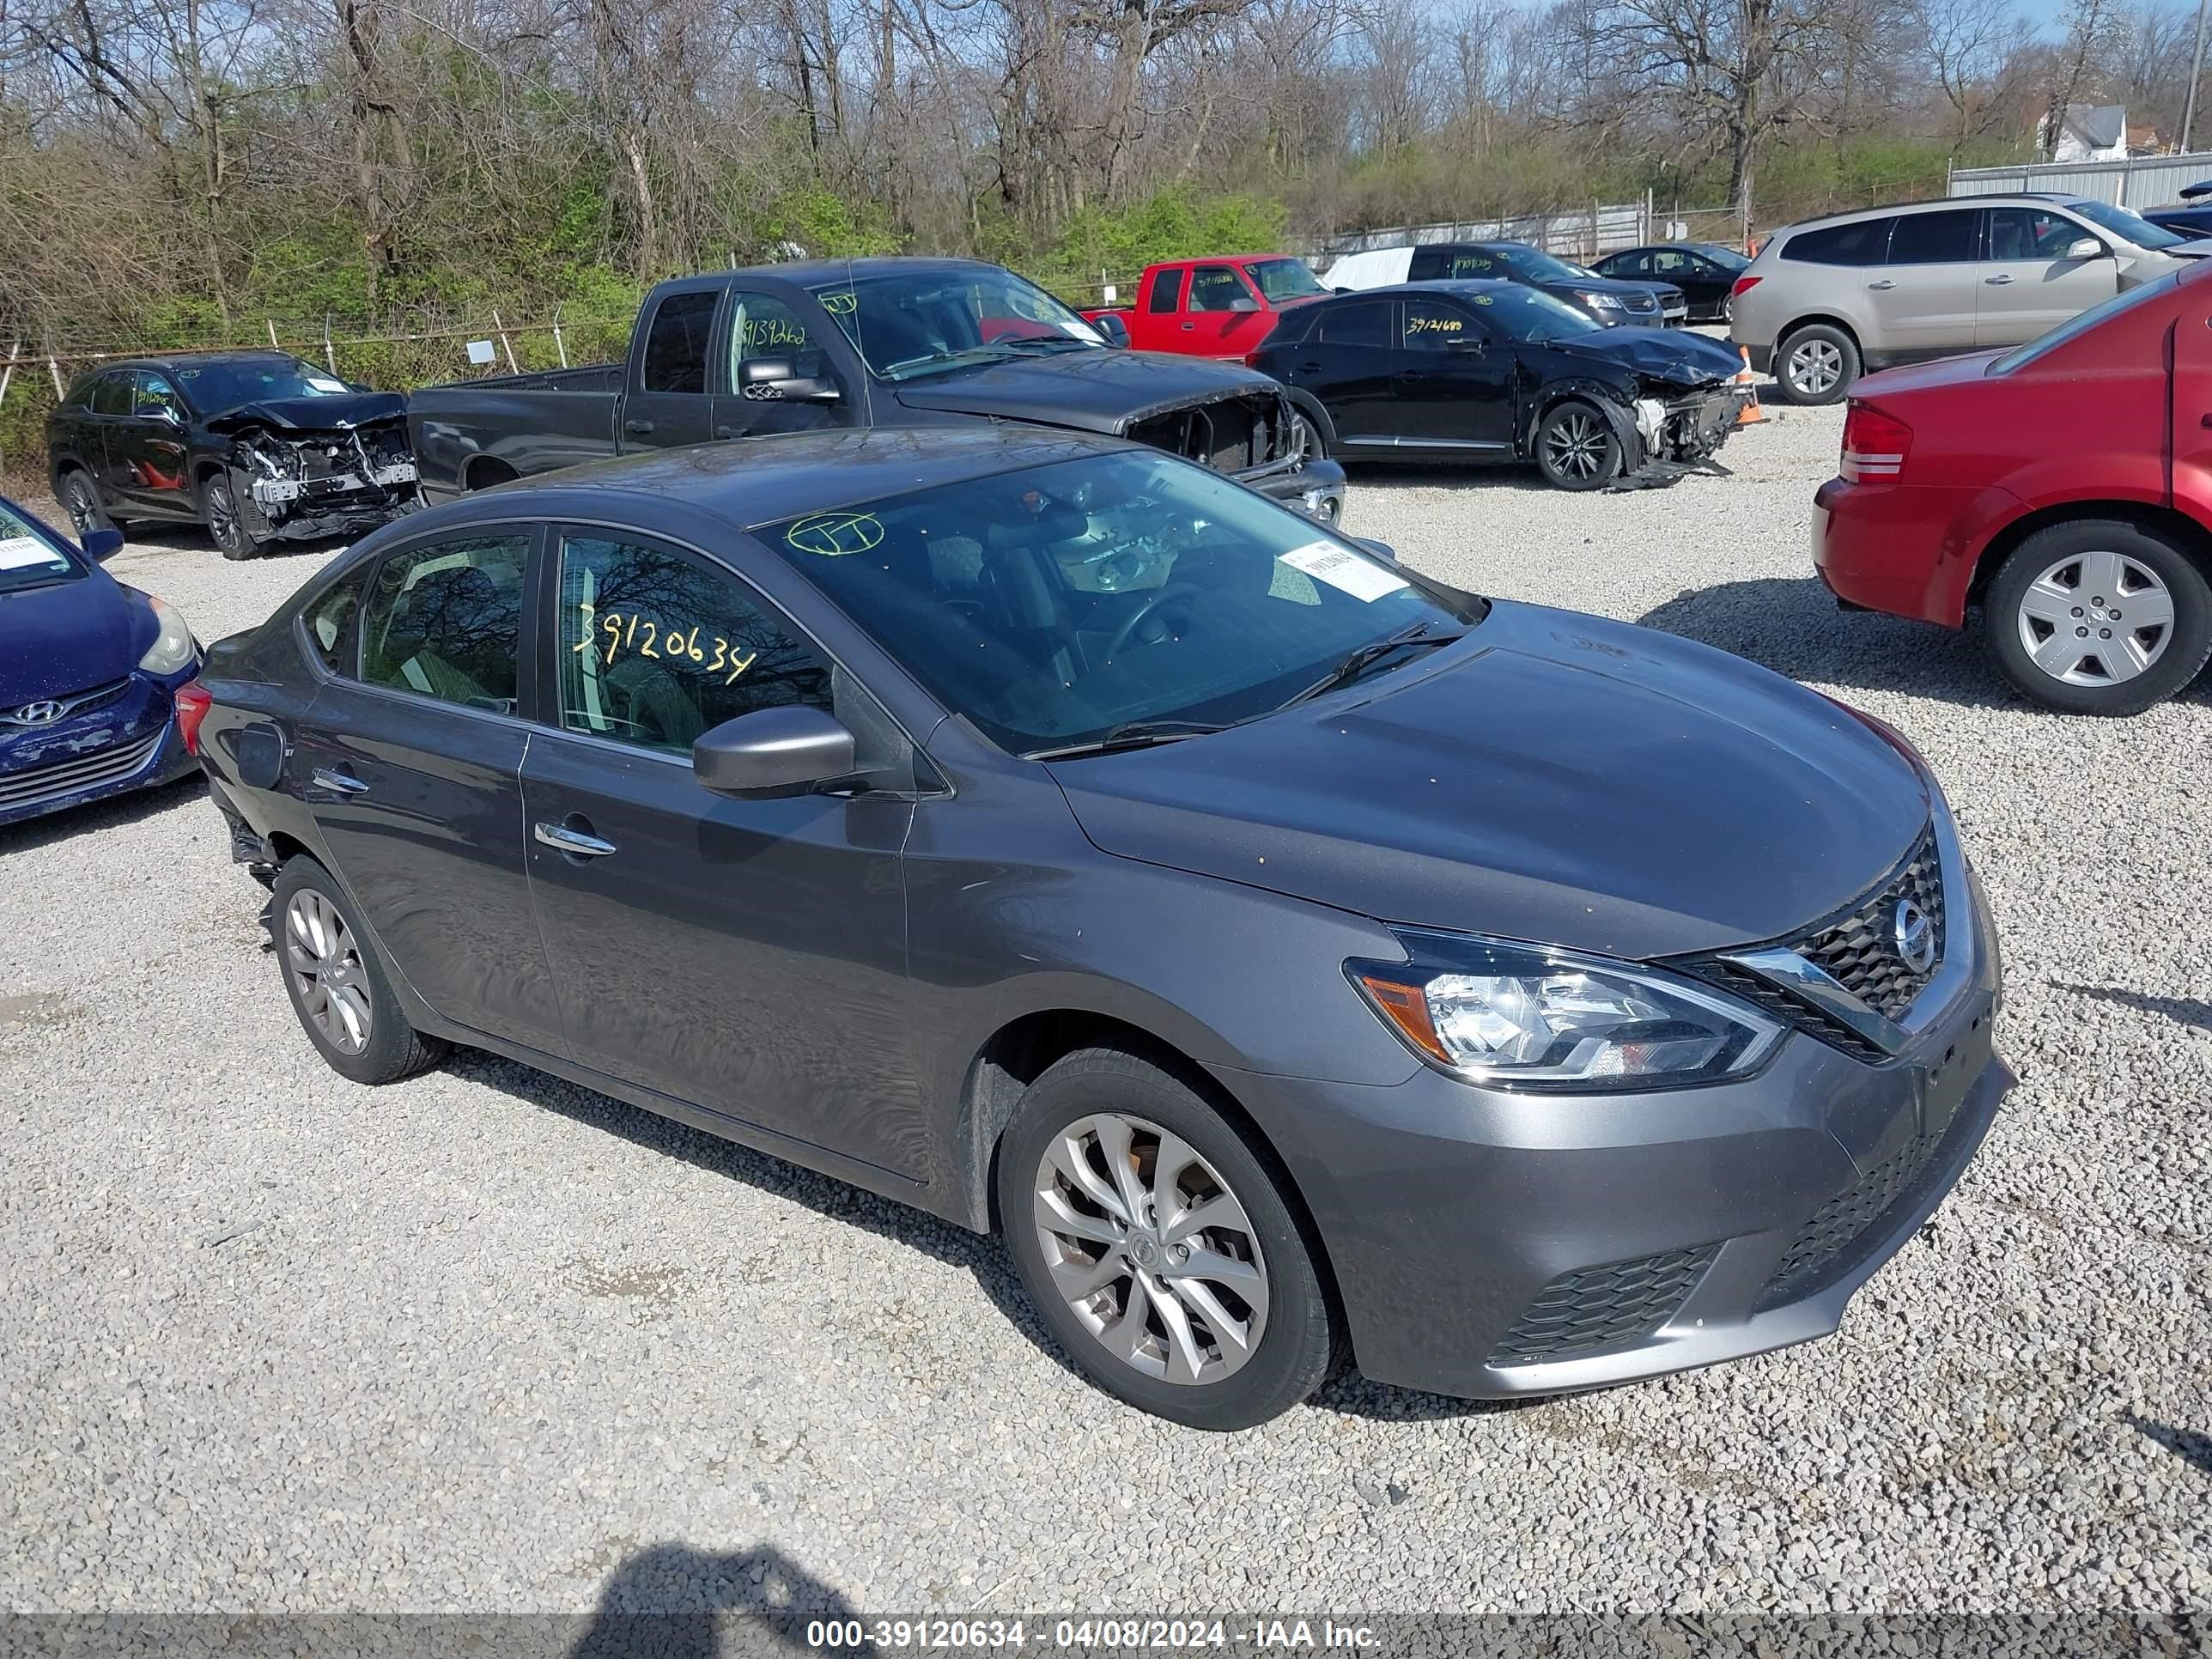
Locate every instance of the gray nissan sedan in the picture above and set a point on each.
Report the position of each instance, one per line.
(1291, 955)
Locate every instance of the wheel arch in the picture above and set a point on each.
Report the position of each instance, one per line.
(1312, 407)
(1828, 319)
(1606, 399)
(2190, 537)
(486, 471)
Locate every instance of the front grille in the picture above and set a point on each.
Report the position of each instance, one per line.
(1859, 949)
(1841, 1230)
(75, 703)
(1595, 1307)
(1764, 993)
(43, 783)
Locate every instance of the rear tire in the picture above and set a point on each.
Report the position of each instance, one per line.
(1577, 447)
(1159, 1247)
(338, 984)
(79, 498)
(1816, 364)
(2099, 617)
(219, 506)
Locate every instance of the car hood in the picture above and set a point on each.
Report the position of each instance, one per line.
(1664, 354)
(1103, 391)
(334, 413)
(1561, 778)
(70, 637)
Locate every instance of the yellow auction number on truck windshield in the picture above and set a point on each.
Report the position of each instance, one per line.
(616, 631)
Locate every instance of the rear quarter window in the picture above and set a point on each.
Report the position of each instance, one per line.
(327, 624)
(1865, 243)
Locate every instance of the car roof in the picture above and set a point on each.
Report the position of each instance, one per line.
(807, 272)
(199, 359)
(755, 481)
(1984, 198)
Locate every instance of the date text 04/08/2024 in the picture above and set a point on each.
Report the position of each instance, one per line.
(1166, 1634)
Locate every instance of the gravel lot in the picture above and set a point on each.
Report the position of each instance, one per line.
(484, 1341)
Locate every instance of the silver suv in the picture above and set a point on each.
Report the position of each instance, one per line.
(1830, 297)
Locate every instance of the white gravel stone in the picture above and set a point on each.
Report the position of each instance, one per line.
(486, 1342)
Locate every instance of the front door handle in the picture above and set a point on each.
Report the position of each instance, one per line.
(638, 429)
(1884, 283)
(1187, 327)
(576, 841)
(338, 783)
(1998, 281)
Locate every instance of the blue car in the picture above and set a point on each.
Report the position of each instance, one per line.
(88, 673)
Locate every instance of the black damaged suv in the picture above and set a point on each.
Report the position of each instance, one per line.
(257, 446)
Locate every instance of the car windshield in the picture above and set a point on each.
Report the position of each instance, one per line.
(1528, 314)
(1283, 279)
(1537, 266)
(909, 323)
(2126, 223)
(2081, 322)
(215, 388)
(31, 556)
(1055, 605)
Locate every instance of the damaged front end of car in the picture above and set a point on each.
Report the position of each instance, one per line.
(1681, 428)
(306, 468)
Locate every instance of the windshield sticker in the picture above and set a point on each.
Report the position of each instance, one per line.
(21, 552)
(835, 535)
(323, 383)
(1343, 569)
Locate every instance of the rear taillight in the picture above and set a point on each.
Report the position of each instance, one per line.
(1744, 285)
(1874, 444)
(193, 701)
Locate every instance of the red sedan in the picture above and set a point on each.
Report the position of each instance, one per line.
(2065, 487)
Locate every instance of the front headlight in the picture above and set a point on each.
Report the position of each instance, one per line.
(174, 646)
(1602, 301)
(1526, 1016)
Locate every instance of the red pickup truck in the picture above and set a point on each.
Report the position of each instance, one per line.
(1213, 307)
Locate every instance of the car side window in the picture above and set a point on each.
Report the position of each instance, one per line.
(676, 342)
(762, 325)
(1936, 238)
(443, 621)
(157, 397)
(1866, 243)
(1426, 264)
(2019, 233)
(327, 622)
(1641, 264)
(1665, 262)
(657, 647)
(110, 394)
(1433, 324)
(1216, 288)
(1166, 289)
(1364, 324)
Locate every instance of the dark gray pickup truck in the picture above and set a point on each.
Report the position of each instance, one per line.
(863, 343)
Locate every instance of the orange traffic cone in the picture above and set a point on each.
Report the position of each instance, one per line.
(1748, 413)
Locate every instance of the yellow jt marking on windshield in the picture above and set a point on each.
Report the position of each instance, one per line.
(833, 535)
(686, 648)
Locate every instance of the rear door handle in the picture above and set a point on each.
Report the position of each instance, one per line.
(338, 783)
(1311, 368)
(573, 841)
(1884, 283)
(1997, 281)
(638, 429)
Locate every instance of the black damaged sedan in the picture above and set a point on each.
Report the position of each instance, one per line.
(1485, 371)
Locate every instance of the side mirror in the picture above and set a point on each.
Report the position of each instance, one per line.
(100, 546)
(771, 753)
(1381, 550)
(1244, 302)
(1115, 330)
(166, 414)
(2086, 247)
(777, 379)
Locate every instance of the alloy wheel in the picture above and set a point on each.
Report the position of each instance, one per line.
(83, 510)
(327, 971)
(1576, 445)
(2095, 618)
(1815, 366)
(222, 514)
(1152, 1251)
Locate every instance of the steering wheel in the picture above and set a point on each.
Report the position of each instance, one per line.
(1158, 596)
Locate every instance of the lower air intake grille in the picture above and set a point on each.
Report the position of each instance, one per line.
(1829, 1244)
(1604, 1307)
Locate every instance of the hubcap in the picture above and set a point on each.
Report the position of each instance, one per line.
(1815, 366)
(2095, 618)
(325, 969)
(1574, 445)
(1150, 1249)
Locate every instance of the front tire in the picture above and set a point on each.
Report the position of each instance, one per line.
(1816, 364)
(1306, 442)
(338, 984)
(2099, 617)
(1158, 1246)
(1577, 447)
(219, 504)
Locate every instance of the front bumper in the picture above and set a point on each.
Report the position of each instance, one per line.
(1314, 488)
(1487, 1244)
(127, 742)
